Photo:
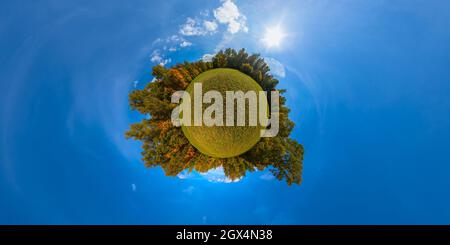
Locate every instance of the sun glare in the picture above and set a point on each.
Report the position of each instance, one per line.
(273, 37)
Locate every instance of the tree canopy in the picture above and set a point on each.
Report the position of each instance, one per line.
(165, 145)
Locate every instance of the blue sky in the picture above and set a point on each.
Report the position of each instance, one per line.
(367, 82)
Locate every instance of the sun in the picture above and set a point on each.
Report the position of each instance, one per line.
(273, 36)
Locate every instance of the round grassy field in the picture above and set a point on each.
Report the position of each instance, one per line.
(223, 141)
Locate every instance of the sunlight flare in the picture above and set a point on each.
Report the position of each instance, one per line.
(273, 36)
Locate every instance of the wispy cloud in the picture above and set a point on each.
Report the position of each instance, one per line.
(276, 67)
(171, 44)
(204, 12)
(185, 175)
(217, 175)
(157, 58)
(210, 26)
(267, 176)
(207, 57)
(133, 187)
(226, 39)
(193, 27)
(189, 190)
(185, 44)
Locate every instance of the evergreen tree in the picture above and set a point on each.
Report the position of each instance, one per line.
(166, 146)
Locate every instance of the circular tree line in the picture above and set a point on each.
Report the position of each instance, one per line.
(165, 145)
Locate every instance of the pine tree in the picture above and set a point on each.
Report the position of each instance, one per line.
(166, 146)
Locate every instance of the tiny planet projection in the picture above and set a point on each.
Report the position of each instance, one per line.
(237, 149)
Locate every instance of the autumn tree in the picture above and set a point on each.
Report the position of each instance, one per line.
(165, 145)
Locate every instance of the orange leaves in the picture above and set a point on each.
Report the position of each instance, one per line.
(164, 126)
(190, 152)
(165, 145)
(180, 77)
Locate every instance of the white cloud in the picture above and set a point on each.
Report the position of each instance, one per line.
(229, 14)
(189, 190)
(165, 61)
(204, 12)
(171, 43)
(135, 83)
(215, 175)
(185, 175)
(233, 27)
(192, 28)
(164, 46)
(156, 57)
(158, 40)
(184, 44)
(174, 38)
(133, 187)
(210, 26)
(207, 57)
(224, 43)
(267, 176)
(218, 176)
(276, 67)
(198, 27)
